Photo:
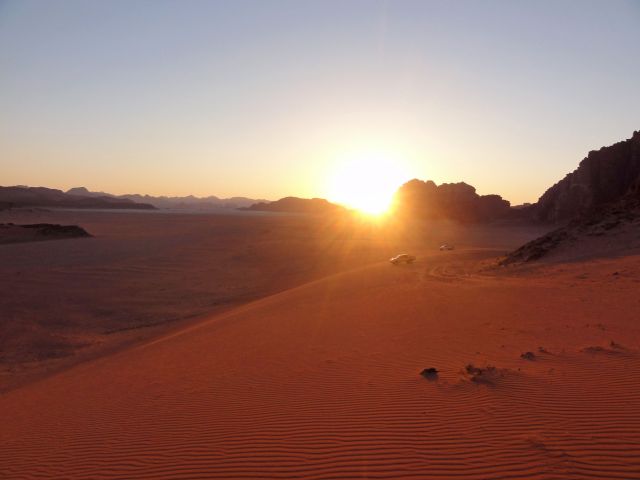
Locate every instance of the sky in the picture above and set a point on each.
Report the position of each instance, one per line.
(270, 98)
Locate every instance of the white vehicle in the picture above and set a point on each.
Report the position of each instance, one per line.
(402, 258)
(446, 246)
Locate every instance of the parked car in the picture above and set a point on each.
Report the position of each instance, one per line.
(446, 246)
(402, 258)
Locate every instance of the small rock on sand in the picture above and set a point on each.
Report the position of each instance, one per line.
(429, 373)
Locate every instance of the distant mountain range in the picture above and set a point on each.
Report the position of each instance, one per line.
(22, 196)
(81, 197)
(181, 203)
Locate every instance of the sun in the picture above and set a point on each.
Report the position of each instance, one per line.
(366, 182)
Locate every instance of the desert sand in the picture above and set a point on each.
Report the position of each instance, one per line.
(143, 274)
(312, 368)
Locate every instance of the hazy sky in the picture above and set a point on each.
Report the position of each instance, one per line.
(264, 98)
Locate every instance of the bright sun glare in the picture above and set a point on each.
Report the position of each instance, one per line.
(367, 182)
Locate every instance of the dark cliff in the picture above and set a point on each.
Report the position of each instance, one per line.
(598, 205)
(603, 177)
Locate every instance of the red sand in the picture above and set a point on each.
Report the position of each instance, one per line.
(144, 274)
(322, 381)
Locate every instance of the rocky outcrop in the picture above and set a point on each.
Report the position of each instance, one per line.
(616, 225)
(10, 233)
(20, 196)
(455, 201)
(298, 205)
(51, 230)
(598, 203)
(603, 177)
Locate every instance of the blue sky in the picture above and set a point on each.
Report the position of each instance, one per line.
(266, 98)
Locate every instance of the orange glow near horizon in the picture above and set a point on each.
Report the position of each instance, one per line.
(366, 182)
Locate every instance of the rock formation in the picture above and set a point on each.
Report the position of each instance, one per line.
(298, 205)
(600, 199)
(616, 226)
(455, 201)
(10, 233)
(603, 177)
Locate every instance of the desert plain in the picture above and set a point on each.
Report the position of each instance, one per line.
(252, 345)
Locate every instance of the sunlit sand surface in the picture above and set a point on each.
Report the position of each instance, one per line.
(322, 379)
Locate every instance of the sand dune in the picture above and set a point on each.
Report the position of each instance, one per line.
(323, 381)
(144, 274)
